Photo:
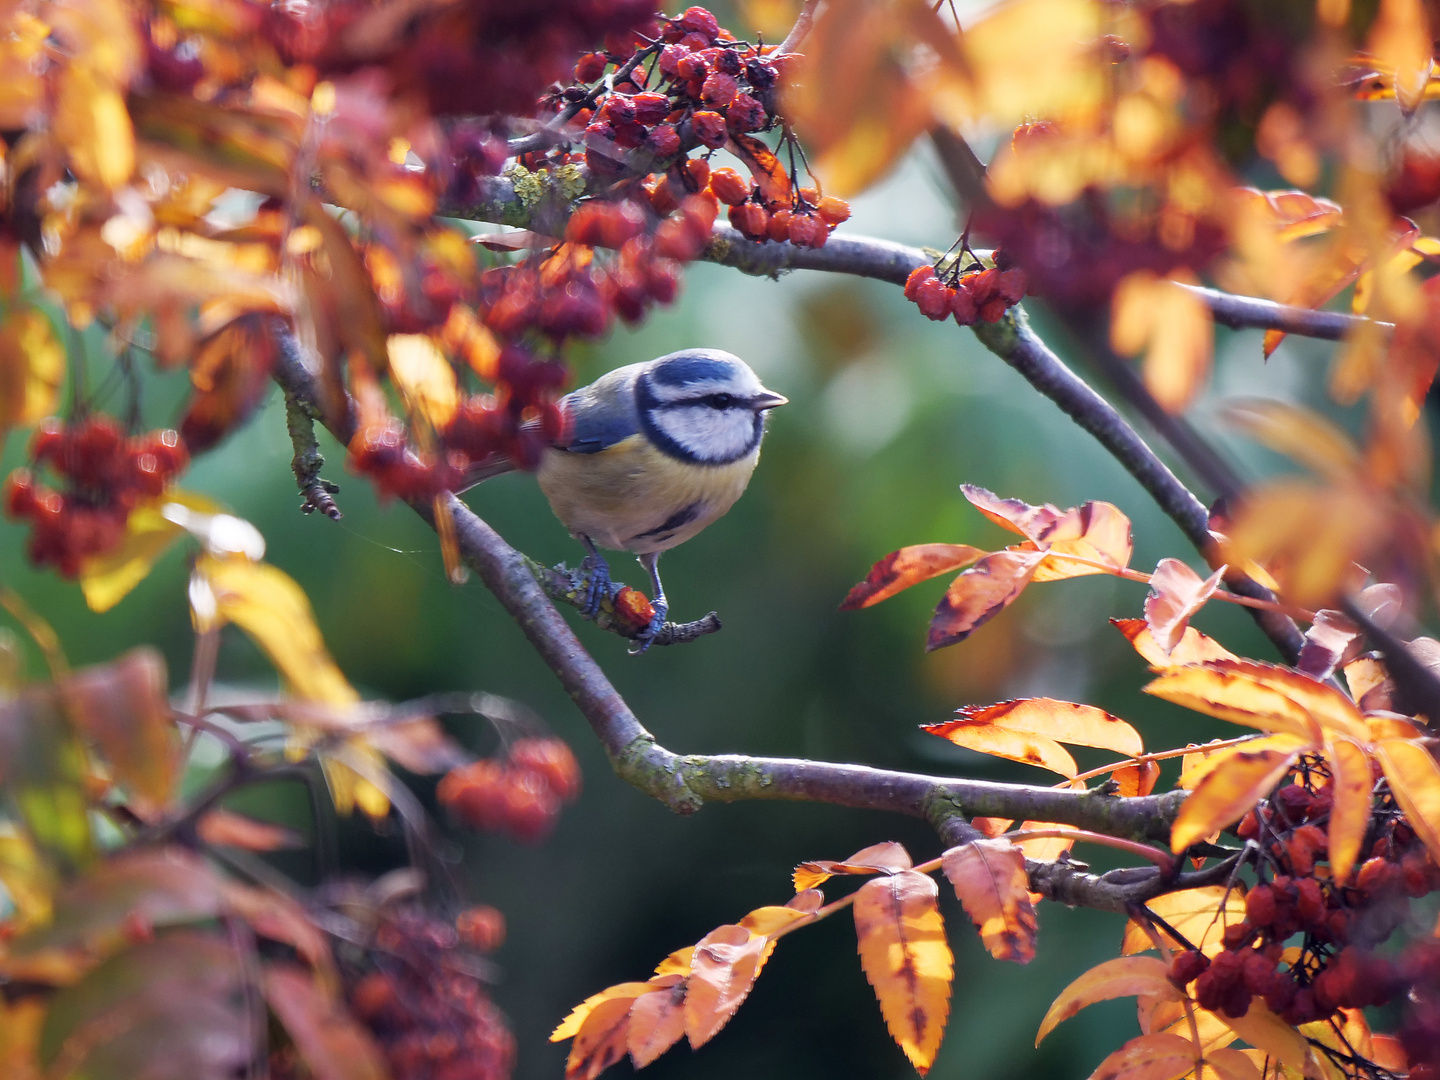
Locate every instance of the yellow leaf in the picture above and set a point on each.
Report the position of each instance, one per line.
(1063, 721)
(1199, 915)
(1223, 797)
(1415, 782)
(1002, 742)
(1400, 41)
(29, 883)
(724, 968)
(1232, 1065)
(907, 960)
(1174, 328)
(1260, 695)
(1192, 648)
(20, 1024)
(765, 921)
(1096, 531)
(885, 856)
(1351, 783)
(1192, 774)
(1000, 49)
(1162, 1056)
(677, 963)
(424, 377)
(32, 367)
(1265, 1031)
(1125, 976)
(93, 124)
(620, 991)
(107, 579)
(990, 882)
(602, 1038)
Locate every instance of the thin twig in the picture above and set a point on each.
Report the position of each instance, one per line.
(801, 29)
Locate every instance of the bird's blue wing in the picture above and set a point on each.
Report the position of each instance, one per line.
(600, 415)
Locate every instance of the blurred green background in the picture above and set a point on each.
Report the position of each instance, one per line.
(889, 415)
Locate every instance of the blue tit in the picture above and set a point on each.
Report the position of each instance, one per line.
(650, 454)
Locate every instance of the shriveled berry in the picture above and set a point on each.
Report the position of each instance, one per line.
(780, 225)
(709, 128)
(745, 114)
(730, 187)
(751, 219)
(805, 230)
(833, 210)
(1260, 906)
(1186, 966)
(590, 67)
(698, 172)
(650, 108)
(917, 276)
(934, 298)
(698, 20)
(670, 58)
(663, 141)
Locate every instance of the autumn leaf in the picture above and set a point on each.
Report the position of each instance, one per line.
(657, 1021)
(1001, 742)
(1063, 721)
(979, 594)
(425, 378)
(990, 882)
(602, 1038)
(1352, 787)
(570, 1026)
(907, 960)
(1223, 797)
(770, 176)
(1400, 41)
(1414, 779)
(1299, 434)
(1330, 641)
(1161, 1056)
(908, 566)
(1199, 915)
(1260, 695)
(1232, 1064)
(1192, 648)
(1176, 594)
(1096, 531)
(32, 367)
(227, 828)
(724, 968)
(1031, 522)
(1173, 327)
(886, 857)
(150, 529)
(332, 1043)
(1137, 779)
(1265, 1031)
(1197, 766)
(1125, 976)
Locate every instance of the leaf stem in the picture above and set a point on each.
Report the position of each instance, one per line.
(1160, 858)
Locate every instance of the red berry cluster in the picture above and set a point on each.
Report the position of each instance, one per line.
(432, 1021)
(520, 795)
(1341, 925)
(805, 221)
(978, 296)
(106, 475)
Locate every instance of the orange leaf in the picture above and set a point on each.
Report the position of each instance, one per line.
(1201, 764)
(626, 991)
(1415, 782)
(1353, 787)
(1125, 976)
(1199, 915)
(724, 968)
(1260, 695)
(602, 1038)
(1173, 327)
(1002, 742)
(885, 857)
(990, 882)
(766, 921)
(908, 566)
(1043, 849)
(1265, 1031)
(1137, 779)
(979, 594)
(332, 1043)
(907, 960)
(1161, 1056)
(1031, 522)
(1192, 648)
(656, 1022)
(1176, 594)
(677, 963)
(1063, 721)
(1295, 214)
(1097, 531)
(1232, 1065)
(769, 174)
(225, 827)
(1224, 796)
(1400, 41)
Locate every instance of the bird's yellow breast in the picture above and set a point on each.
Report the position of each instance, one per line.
(632, 497)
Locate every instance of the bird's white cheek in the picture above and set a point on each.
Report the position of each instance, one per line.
(709, 434)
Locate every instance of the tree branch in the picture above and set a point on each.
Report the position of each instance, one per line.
(1252, 313)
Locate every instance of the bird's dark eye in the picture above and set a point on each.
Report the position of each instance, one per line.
(720, 401)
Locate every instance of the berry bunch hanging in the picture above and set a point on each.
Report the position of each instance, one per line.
(520, 794)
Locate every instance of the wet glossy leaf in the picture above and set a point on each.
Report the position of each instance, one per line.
(1352, 785)
(886, 857)
(908, 566)
(1223, 797)
(981, 593)
(1414, 780)
(987, 738)
(1126, 976)
(1176, 594)
(1192, 648)
(907, 960)
(1161, 1056)
(1063, 721)
(990, 882)
(332, 1043)
(123, 708)
(724, 968)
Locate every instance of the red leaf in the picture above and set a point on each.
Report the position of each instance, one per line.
(1031, 522)
(723, 970)
(981, 593)
(908, 566)
(886, 857)
(1176, 594)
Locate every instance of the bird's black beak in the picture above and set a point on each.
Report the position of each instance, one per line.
(768, 400)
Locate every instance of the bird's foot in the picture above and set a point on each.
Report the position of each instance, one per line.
(597, 584)
(646, 638)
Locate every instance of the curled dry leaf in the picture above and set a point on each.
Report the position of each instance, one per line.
(1176, 594)
(1331, 641)
(990, 882)
(725, 965)
(1192, 648)
(1125, 976)
(1162, 1056)
(979, 594)
(1031, 522)
(1137, 779)
(902, 946)
(1369, 683)
(908, 566)
(886, 857)
(1352, 788)
(1223, 797)
(1096, 531)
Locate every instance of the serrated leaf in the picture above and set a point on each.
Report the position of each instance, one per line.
(1192, 648)
(908, 566)
(1352, 787)
(1203, 762)
(602, 1038)
(1162, 1056)
(1125, 976)
(902, 946)
(656, 1021)
(724, 968)
(1228, 793)
(990, 882)
(1414, 779)
(885, 857)
(979, 594)
(1176, 594)
(568, 1027)
(1250, 693)
(1038, 750)
(1063, 721)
